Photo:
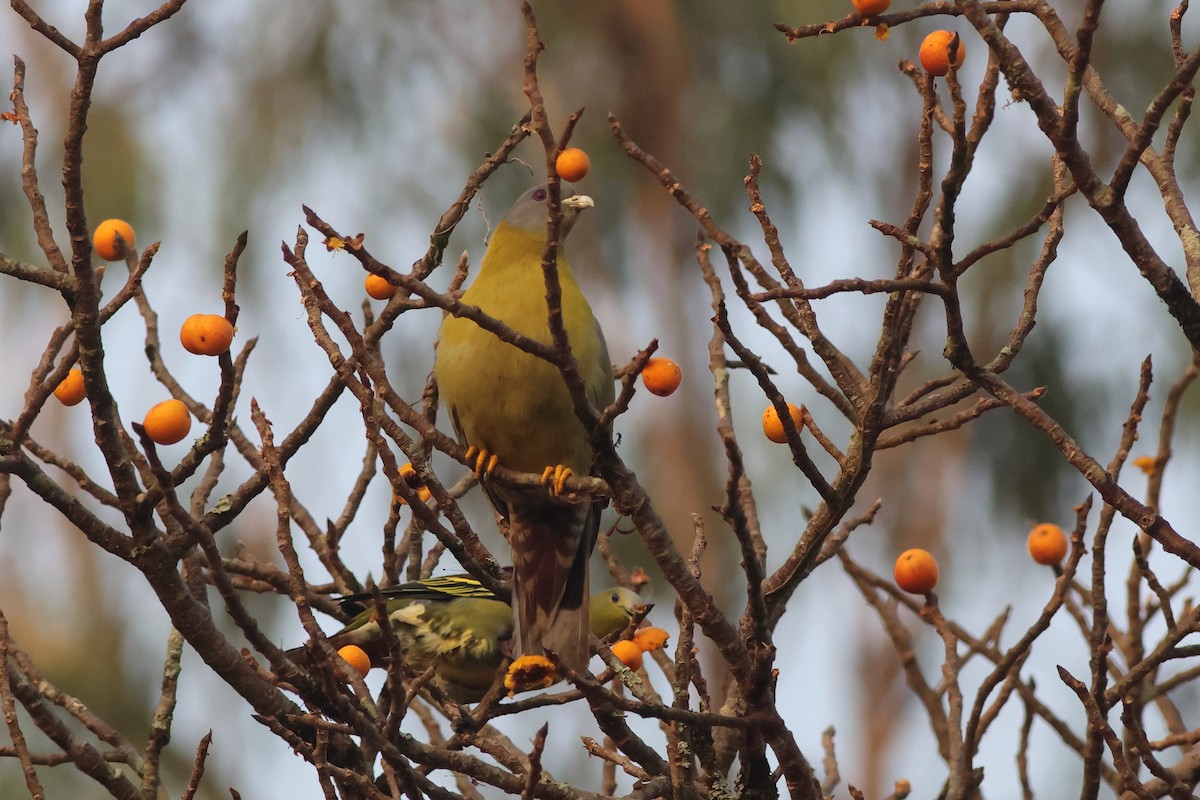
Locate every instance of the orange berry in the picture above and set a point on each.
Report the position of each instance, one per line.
(378, 287)
(628, 653)
(357, 658)
(650, 638)
(661, 376)
(1146, 464)
(206, 334)
(916, 572)
(942, 51)
(869, 8)
(168, 422)
(572, 164)
(773, 426)
(1047, 544)
(106, 244)
(71, 391)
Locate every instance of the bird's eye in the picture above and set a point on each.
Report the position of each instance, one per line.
(539, 195)
(616, 598)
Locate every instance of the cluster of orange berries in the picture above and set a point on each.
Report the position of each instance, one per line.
(112, 241)
(170, 421)
(940, 52)
(645, 640)
(203, 335)
(916, 571)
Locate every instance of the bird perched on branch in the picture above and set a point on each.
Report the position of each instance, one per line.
(457, 625)
(513, 408)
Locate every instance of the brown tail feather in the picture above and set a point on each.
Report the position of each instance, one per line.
(551, 543)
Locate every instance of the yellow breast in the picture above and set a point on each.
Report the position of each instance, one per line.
(501, 398)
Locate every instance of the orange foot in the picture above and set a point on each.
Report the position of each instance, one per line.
(528, 673)
(484, 461)
(554, 477)
(408, 474)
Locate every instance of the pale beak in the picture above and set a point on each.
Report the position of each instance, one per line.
(578, 201)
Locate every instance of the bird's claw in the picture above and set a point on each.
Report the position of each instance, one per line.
(484, 461)
(554, 478)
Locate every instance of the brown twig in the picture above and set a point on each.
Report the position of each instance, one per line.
(193, 784)
(16, 735)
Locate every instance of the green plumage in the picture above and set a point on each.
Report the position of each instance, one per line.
(517, 407)
(457, 625)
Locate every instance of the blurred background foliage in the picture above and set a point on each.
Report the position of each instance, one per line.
(373, 113)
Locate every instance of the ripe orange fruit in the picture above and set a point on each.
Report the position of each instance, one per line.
(378, 287)
(661, 376)
(650, 638)
(942, 51)
(206, 334)
(1047, 544)
(869, 8)
(168, 422)
(773, 426)
(71, 390)
(106, 244)
(629, 653)
(572, 164)
(916, 572)
(357, 658)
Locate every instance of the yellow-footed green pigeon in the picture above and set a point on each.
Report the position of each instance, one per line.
(513, 406)
(457, 625)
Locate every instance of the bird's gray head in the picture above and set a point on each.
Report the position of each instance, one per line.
(529, 212)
